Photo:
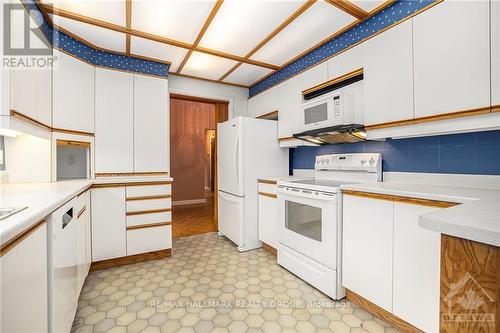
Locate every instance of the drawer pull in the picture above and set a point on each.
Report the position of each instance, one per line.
(151, 211)
(148, 225)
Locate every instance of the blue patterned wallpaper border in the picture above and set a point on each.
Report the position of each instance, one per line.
(96, 57)
(390, 15)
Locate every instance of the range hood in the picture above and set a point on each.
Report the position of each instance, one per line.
(335, 134)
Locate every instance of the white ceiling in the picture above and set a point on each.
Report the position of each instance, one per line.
(237, 28)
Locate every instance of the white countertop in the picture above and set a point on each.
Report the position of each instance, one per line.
(44, 198)
(477, 217)
(280, 178)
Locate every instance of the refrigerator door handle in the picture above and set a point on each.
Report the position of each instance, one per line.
(237, 160)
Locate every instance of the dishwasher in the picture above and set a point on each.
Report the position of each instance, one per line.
(62, 267)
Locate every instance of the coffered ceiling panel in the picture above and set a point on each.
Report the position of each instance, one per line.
(175, 19)
(368, 5)
(156, 50)
(112, 11)
(240, 25)
(317, 23)
(246, 74)
(207, 66)
(100, 37)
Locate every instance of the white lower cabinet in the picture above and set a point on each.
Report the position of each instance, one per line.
(84, 238)
(268, 215)
(367, 249)
(108, 223)
(149, 239)
(23, 285)
(416, 269)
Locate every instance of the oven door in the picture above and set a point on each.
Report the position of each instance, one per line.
(309, 225)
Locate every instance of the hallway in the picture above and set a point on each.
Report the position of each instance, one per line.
(188, 220)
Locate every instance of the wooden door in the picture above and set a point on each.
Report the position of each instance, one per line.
(221, 115)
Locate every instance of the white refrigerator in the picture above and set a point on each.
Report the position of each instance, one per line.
(247, 149)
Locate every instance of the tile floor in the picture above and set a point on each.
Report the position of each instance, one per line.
(194, 219)
(208, 286)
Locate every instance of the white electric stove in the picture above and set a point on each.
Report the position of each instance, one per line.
(310, 218)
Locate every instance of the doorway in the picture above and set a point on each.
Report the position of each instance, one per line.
(193, 140)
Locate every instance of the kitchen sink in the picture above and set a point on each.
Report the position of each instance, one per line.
(9, 211)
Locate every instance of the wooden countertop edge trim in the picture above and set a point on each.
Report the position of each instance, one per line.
(119, 174)
(148, 225)
(150, 211)
(381, 313)
(132, 259)
(144, 183)
(270, 195)
(149, 197)
(401, 199)
(81, 212)
(5, 248)
(265, 181)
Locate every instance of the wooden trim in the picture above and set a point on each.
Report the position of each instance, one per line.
(209, 80)
(270, 195)
(120, 174)
(72, 143)
(495, 108)
(81, 212)
(30, 120)
(67, 131)
(149, 211)
(204, 28)
(276, 31)
(9, 245)
(333, 81)
(401, 199)
(288, 138)
(197, 99)
(269, 115)
(265, 181)
(104, 185)
(439, 117)
(148, 225)
(381, 313)
(149, 197)
(133, 259)
(349, 8)
(149, 36)
(270, 249)
(128, 20)
(44, 13)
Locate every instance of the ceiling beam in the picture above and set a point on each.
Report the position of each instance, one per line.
(128, 20)
(153, 37)
(276, 31)
(349, 8)
(209, 20)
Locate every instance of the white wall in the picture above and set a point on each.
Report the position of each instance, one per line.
(236, 96)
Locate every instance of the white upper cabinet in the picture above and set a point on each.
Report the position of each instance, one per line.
(388, 75)
(73, 92)
(495, 53)
(452, 57)
(23, 84)
(314, 76)
(114, 123)
(254, 106)
(345, 62)
(268, 101)
(289, 103)
(44, 96)
(150, 124)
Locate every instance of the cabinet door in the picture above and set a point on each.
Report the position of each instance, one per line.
(452, 59)
(23, 91)
(289, 104)
(416, 269)
(150, 124)
(367, 248)
(108, 223)
(346, 62)
(114, 135)
(44, 96)
(495, 53)
(254, 106)
(267, 220)
(268, 101)
(73, 90)
(388, 76)
(314, 76)
(23, 285)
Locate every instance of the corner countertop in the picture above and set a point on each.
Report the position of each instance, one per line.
(279, 178)
(44, 198)
(477, 217)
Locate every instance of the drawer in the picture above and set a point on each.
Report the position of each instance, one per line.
(149, 239)
(268, 188)
(149, 218)
(82, 200)
(139, 205)
(148, 190)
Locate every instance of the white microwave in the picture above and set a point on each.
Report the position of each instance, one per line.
(328, 110)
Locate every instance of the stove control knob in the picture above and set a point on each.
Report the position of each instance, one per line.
(372, 160)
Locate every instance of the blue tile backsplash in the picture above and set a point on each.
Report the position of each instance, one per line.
(469, 153)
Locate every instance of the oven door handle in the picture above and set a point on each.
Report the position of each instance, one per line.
(308, 194)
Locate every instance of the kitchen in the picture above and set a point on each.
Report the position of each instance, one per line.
(356, 166)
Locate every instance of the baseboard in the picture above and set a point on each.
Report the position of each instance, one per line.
(97, 265)
(270, 249)
(377, 311)
(188, 202)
